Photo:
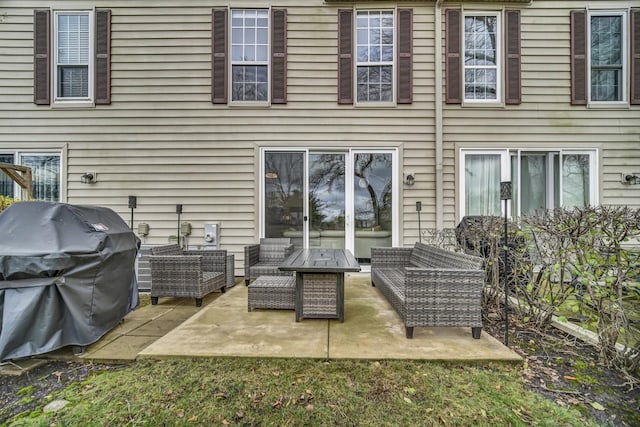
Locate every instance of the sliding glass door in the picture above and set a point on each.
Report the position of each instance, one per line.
(330, 198)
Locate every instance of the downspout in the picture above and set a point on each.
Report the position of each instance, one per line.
(438, 116)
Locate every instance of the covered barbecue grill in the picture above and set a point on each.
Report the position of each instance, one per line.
(66, 276)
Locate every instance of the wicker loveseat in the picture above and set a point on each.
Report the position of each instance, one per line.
(429, 286)
(264, 258)
(187, 274)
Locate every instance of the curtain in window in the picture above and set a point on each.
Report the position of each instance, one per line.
(533, 187)
(482, 184)
(6, 183)
(575, 180)
(45, 171)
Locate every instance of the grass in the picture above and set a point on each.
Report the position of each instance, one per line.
(230, 391)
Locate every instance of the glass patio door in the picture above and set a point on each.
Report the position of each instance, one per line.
(330, 199)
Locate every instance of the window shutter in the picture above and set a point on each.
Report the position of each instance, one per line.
(405, 56)
(219, 56)
(578, 57)
(103, 56)
(635, 56)
(345, 56)
(513, 93)
(279, 56)
(41, 56)
(453, 64)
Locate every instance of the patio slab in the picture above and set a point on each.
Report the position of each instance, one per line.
(371, 330)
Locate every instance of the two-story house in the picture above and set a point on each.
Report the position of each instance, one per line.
(320, 120)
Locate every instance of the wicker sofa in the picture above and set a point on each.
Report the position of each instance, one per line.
(187, 274)
(429, 286)
(264, 258)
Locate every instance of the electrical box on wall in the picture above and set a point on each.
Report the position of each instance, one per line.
(211, 235)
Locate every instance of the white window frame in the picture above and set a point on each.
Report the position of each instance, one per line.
(266, 63)
(18, 156)
(623, 14)
(505, 173)
(81, 101)
(392, 63)
(499, 60)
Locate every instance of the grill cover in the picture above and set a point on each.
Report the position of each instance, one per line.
(66, 276)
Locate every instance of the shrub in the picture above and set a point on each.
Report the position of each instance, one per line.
(5, 202)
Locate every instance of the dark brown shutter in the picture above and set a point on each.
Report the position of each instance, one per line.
(103, 56)
(405, 56)
(219, 56)
(635, 56)
(513, 91)
(278, 56)
(41, 56)
(453, 64)
(345, 56)
(578, 57)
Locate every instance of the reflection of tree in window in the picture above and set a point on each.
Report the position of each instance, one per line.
(45, 170)
(480, 51)
(373, 174)
(326, 178)
(606, 58)
(283, 191)
(575, 180)
(6, 183)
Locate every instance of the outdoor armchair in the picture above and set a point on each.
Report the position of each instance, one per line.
(264, 258)
(185, 273)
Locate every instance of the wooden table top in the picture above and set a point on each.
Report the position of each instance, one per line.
(320, 261)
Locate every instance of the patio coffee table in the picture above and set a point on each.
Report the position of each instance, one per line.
(320, 281)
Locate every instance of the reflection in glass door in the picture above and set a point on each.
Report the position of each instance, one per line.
(330, 199)
(372, 202)
(284, 195)
(327, 200)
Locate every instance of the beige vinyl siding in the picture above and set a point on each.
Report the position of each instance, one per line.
(545, 119)
(162, 140)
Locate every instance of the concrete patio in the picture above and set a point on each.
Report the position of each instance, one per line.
(224, 328)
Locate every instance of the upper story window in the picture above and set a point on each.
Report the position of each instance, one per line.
(45, 172)
(607, 52)
(72, 57)
(375, 56)
(249, 55)
(251, 61)
(481, 57)
(605, 60)
(73, 50)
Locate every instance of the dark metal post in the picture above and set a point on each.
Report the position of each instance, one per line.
(133, 203)
(178, 211)
(418, 209)
(505, 194)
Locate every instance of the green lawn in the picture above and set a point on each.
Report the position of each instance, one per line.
(303, 392)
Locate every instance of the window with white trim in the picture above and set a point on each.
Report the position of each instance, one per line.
(482, 68)
(607, 56)
(374, 55)
(46, 174)
(542, 179)
(73, 52)
(249, 55)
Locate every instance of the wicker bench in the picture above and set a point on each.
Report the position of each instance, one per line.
(275, 292)
(429, 286)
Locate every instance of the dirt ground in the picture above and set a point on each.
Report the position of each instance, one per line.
(557, 366)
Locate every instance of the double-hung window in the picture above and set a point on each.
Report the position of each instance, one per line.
(72, 57)
(482, 57)
(45, 174)
(542, 179)
(73, 50)
(605, 57)
(249, 55)
(607, 53)
(374, 56)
